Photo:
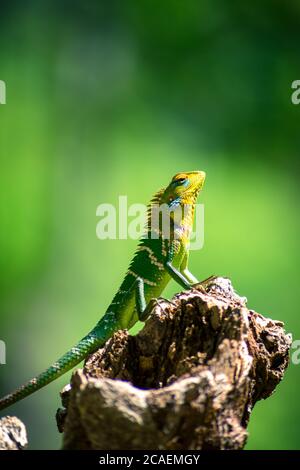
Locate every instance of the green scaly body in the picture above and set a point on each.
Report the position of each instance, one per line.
(155, 262)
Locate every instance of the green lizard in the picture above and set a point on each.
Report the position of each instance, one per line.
(158, 259)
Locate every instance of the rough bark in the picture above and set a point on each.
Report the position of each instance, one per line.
(188, 380)
(13, 434)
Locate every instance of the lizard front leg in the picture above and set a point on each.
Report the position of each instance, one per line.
(183, 277)
(185, 271)
(143, 308)
(191, 278)
(178, 275)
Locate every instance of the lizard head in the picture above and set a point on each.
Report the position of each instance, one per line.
(178, 199)
(184, 188)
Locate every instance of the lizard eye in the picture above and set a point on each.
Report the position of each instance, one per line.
(179, 181)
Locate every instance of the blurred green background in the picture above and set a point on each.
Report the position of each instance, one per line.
(113, 98)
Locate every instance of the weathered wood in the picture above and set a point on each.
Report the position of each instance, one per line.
(13, 434)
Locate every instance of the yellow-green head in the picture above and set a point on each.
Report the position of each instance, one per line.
(184, 187)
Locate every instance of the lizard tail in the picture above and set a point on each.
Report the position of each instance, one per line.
(95, 339)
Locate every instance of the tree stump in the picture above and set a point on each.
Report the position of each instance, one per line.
(188, 380)
(13, 434)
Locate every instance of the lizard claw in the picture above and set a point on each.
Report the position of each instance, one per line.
(201, 286)
(152, 304)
